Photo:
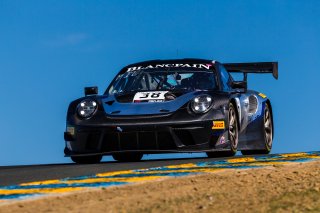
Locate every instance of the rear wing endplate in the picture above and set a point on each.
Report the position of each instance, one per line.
(258, 67)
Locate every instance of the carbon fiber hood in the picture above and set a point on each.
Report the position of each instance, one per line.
(113, 107)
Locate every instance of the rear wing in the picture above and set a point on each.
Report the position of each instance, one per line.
(258, 67)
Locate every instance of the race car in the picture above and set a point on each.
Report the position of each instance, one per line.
(171, 106)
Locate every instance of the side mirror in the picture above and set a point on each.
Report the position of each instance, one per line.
(91, 91)
(239, 85)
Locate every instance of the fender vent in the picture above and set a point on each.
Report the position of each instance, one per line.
(253, 104)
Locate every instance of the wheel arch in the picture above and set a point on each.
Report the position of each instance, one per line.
(271, 111)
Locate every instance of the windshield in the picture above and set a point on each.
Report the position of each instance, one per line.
(154, 80)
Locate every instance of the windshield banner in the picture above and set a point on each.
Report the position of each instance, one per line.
(155, 66)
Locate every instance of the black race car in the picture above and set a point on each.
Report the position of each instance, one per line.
(166, 106)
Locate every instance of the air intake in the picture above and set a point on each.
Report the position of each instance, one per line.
(253, 104)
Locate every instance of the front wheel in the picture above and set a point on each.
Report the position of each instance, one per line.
(127, 157)
(233, 133)
(87, 159)
(233, 130)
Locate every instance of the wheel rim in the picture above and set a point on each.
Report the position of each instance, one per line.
(268, 127)
(233, 129)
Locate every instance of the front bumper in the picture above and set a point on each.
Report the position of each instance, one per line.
(147, 138)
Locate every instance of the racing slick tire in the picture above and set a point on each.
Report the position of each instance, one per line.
(127, 157)
(267, 134)
(233, 133)
(87, 159)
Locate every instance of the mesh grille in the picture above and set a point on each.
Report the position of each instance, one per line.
(92, 141)
(137, 141)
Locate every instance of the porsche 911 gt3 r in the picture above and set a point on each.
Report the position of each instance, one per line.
(167, 106)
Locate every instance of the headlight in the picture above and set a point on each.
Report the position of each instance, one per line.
(87, 108)
(201, 103)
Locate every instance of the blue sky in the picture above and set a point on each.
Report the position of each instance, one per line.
(50, 50)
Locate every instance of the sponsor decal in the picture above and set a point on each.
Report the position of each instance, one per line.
(155, 66)
(262, 95)
(218, 125)
(70, 129)
(222, 140)
(155, 96)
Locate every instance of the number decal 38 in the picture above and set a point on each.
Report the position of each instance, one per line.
(149, 96)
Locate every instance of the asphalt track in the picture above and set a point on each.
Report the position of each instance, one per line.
(25, 182)
(11, 175)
